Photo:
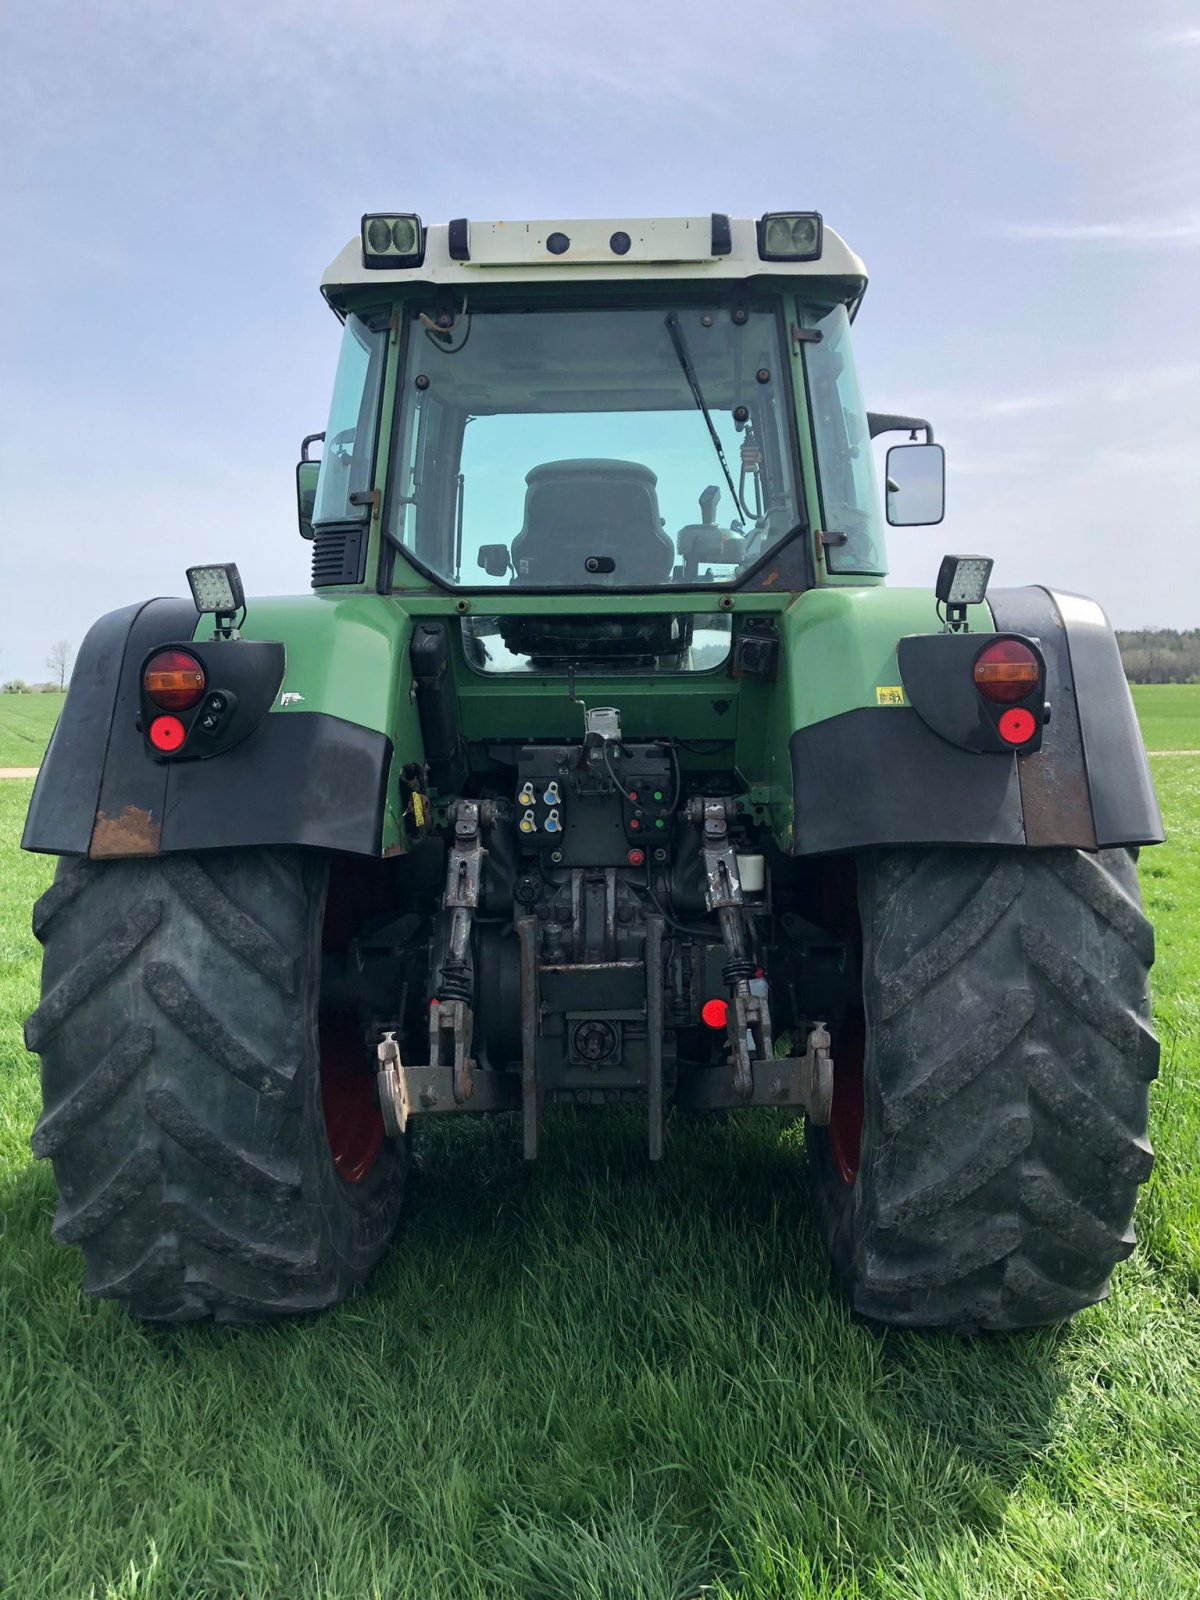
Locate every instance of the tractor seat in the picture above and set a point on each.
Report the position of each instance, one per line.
(577, 509)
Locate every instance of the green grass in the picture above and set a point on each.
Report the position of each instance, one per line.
(1169, 714)
(600, 1381)
(26, 723)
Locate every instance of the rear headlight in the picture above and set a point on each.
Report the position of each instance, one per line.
(173, 680)
(1006, 671)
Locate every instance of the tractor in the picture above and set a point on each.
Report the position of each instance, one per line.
(600, 767)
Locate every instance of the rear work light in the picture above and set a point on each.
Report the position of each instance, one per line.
(1006, 671)
(790, 236)
(389, 240)
(173, 680)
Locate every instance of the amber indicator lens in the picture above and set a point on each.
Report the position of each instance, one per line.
(174, 680)
(166, 733)
(1006, 671)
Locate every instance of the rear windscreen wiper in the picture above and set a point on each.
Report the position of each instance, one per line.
(689, 372)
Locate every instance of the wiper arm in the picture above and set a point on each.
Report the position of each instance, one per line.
(689, 372)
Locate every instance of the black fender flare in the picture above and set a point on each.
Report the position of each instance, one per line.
(300, 778)
(879, 777)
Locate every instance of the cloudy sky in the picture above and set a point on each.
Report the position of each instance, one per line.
(1022, 181)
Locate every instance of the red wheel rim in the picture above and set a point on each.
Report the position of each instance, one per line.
(353, 1120)
(846, 1118)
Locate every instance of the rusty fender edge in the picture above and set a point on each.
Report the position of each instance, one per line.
(304, 778)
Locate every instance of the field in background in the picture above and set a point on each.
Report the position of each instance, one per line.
(26, 723)
(1169, 714)
(595, 1380)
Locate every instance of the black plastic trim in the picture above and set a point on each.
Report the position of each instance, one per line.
(305, 778)
(67, 791)
(722, 235)
(881, 777)
(1093, 743)
(339, 551)
(458, 241)
(121, 786)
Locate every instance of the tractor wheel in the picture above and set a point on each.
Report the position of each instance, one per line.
(215, 1139)
(989, 1121)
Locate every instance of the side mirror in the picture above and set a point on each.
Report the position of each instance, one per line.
(307, 473)
(494, 559)
(916, 485)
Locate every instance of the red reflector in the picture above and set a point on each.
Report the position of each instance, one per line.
(1017, 726)
(1006, 670)
(714, 1012)
(166, 733)
(173, 679)
(636, 858)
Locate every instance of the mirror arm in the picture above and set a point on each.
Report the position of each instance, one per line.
(310, 438)
(887, 422)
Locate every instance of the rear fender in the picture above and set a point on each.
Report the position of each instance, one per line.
(868, 769)
(316, 769)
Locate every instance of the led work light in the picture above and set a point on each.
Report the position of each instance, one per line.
(790, 236)
(217, 589)
(392, 241)
(963, 580)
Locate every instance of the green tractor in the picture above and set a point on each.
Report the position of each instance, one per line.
(600, 767)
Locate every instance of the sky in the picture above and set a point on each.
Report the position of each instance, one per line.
(1023, 183)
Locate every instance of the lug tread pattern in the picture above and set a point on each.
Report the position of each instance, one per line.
(986, 1245)
(984, 1158)
(220, 1154)
(1061, 1094)
(188, 1145)
(958, 1065)
(106, 1080)
(1009, 1059)
(176, 1000)
(983, 910)
(124, 936)
(237, 931)
(1082, 1230)
(1086, 877)
(1091, 1001)
(126, 1183)
(73, 877)
(264, 1255)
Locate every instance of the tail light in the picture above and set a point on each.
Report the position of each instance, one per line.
(713, 1013)
(1006, 671)
(173, 680)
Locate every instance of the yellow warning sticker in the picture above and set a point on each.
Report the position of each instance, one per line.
(418, 808)
(891, 696)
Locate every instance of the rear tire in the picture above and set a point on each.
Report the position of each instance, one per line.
(1004, 1088)
(182, 1078)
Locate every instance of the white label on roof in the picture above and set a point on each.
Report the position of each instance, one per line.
(656, 239)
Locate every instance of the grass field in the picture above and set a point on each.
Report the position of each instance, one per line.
(26, 723)
(599, 1381)
(1169, 714)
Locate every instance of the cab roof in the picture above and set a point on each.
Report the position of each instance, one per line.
(695, 249)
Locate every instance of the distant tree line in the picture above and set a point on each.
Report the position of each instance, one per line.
(1160, 655)
(59, 661)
